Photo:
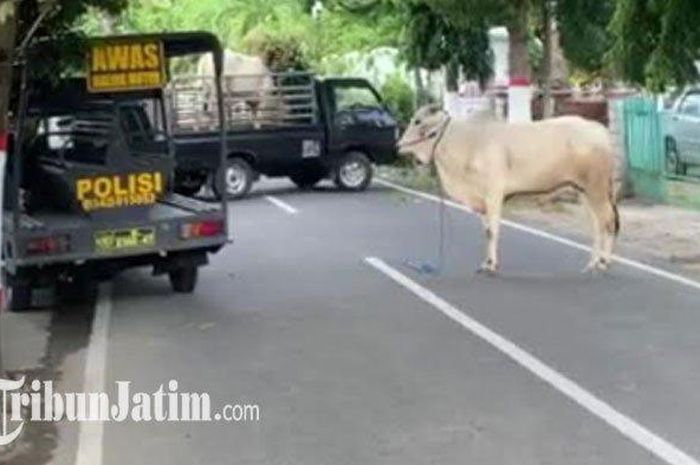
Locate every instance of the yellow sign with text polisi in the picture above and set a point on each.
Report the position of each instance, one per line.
(123, 66)
(118, 191)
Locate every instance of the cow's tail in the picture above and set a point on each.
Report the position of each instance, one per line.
(613, 204)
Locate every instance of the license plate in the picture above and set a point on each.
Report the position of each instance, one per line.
(114, 240)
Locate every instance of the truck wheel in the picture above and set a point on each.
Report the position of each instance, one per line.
(236, 181)
(184, 280)
(308, 179)
(18, 297)
(354, 172)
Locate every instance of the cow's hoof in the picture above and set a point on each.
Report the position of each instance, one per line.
(597, 265)
(488, 267)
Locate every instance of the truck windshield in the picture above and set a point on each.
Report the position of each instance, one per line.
(348, 98)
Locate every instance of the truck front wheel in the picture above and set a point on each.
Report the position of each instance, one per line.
(354, 172)
(184, 280)
(235, 181)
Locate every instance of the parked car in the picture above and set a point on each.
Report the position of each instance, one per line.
(682, 140)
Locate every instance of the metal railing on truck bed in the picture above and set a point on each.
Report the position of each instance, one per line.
(250, 101)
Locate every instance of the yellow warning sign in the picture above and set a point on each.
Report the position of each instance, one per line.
(125, 190)
(123, 66)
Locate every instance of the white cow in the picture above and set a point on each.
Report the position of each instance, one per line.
(483, 163)
(249, 87)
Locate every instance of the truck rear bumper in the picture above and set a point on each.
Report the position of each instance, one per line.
(53, 239)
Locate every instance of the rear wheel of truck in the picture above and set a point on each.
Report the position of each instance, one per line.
(18, 297)
(184, 280)
(354, 172)
(308, 179)
(236, 180)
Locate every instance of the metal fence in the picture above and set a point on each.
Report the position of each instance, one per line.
(644, 135)
(250, 101)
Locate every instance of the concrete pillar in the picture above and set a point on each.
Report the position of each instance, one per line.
(519, 100)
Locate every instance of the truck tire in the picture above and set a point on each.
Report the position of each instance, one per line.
(236, 180)
(18, 297)
(184, 280)
(354, 172)
(307, 179)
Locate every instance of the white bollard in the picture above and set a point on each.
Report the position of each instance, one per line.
(519, 100)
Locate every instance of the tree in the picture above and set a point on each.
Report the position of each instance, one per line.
(513, 14)
(62, 44)
(656, 44)
(431, 41)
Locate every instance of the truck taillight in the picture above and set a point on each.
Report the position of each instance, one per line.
(48, 245)
(202, 229)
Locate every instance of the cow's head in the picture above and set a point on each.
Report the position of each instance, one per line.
(420, 136)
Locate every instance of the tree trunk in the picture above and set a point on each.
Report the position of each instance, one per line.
(547, 68)
(420, 88)
(7, 45)
(452, 77)
(518, 55)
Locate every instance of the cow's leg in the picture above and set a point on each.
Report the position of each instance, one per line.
(492, 222)
(606, 217)
(597, 235)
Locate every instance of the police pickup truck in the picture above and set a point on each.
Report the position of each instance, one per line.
(291, 125)
(89, 187)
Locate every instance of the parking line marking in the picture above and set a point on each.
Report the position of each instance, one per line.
(92, 432)
(629, 428)
(283, 205)
(661, 273)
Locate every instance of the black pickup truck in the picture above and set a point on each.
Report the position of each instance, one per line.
(281, 125)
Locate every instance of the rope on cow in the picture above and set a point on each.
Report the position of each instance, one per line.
(435, 268)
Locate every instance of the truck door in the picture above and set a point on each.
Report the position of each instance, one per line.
(359, 120)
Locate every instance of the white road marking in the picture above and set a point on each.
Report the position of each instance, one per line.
(283, 205)
(91, 432)
(624, 424)
(552, 237)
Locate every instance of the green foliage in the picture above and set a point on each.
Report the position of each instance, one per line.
(656, 43)
(432, 40)
(62, 45)
(399, 97)
(583, 30)
(280, 51)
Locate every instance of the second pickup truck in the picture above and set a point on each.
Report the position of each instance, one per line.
(284, 125)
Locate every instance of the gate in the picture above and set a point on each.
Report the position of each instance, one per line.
(643, 141)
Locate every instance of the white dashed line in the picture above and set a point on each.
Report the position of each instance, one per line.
(283, 205)
(629, 428)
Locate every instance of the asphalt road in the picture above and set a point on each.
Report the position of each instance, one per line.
(356, 358)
